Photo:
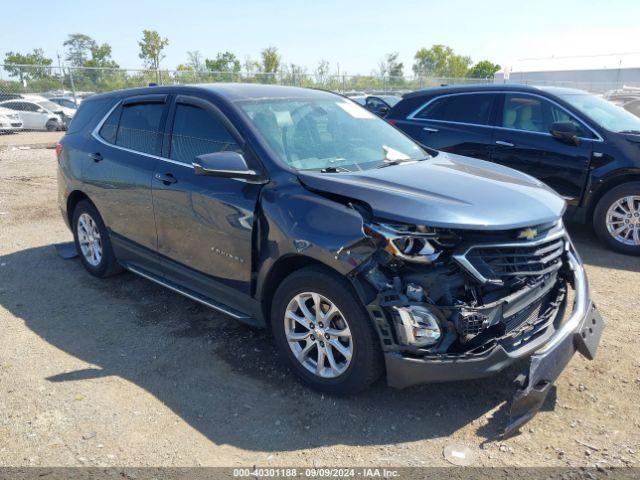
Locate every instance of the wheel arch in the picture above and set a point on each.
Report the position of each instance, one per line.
(605, 185)
(73, 199)
(280, 270)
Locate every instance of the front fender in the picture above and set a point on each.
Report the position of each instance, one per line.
(295, 221)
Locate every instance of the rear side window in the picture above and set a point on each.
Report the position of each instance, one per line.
(468, 108)
(109, 128)
(196, 132)
(89, 114)
(139, 127)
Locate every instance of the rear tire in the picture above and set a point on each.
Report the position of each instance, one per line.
(341, 337)
(616, 218)
(52, 126)
(92, 241)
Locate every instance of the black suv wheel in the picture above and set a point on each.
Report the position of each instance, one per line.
(92, 241)
(324, 332)
(617, 218)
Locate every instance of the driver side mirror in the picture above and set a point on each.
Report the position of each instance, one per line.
(566, 132)
(382, 111)
(225, 165)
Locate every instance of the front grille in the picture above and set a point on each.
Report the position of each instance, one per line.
(509, 261)
(16, 124)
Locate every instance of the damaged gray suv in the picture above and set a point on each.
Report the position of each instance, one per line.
(364, 253)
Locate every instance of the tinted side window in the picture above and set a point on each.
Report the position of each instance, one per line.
(535, 114)
(13, 106)
(196, 132)
(139, 127)
(475, 109)
(31, 107)
(109, 128)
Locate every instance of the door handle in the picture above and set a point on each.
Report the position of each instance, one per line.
(430, 130)
(504, 144)
(165, 178)
(96, 157)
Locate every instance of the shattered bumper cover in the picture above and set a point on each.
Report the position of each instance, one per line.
(548, 355)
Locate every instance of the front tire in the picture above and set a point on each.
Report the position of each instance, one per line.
(92, 241)
(324, 333)
(52, 126)
(616, 218)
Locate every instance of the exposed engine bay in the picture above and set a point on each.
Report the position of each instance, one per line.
(447, 292)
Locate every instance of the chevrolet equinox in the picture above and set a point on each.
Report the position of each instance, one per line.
(362, 251)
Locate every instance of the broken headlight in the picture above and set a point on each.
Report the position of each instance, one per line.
(417, 244)
(418, 326)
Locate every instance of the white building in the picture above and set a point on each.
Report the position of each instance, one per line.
(596, 73)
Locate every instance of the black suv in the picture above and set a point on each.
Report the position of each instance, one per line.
(300, 210)
(585, 148)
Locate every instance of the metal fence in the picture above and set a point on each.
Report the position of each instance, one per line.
(61, 81)
(21, 79)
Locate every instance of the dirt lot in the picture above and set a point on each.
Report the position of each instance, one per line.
(28, 138)
(123, 372)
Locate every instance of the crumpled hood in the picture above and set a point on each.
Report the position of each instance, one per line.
(449, 191)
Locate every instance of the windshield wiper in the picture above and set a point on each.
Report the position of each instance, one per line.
(334, 170)
(634, 132)
(389, 163)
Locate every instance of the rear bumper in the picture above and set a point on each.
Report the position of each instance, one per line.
(405, 371)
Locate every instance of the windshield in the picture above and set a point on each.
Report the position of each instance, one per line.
(332, 134)
(49, 105)
(606, 114)
(390, 99)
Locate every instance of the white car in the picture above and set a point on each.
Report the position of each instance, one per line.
(66, 113)
(35, 116)
(10, 121)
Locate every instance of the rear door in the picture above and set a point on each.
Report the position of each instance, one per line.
(457, 123)
(204, 223)
(118, 172)
(522, 141)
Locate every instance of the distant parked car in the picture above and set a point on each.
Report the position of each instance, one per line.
(9, 121)
(65, 113)
(35, 116)
(627, 98)
(67, 102)
(584, 147)
(378, 104)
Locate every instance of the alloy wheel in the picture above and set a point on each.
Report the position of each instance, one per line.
(318, 335)
(623, 220)
(89, 239)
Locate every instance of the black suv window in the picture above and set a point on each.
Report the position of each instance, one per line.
(139, 127)
(465, 108)
(109, 128)
(535, 114)
(196, 132)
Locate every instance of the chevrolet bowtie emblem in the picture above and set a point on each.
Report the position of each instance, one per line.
(528, 233)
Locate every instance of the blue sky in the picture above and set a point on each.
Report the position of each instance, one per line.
(355, 34)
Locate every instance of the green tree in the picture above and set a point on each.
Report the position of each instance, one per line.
(440, 61)
(483, 69)
(270, 60)
(151, 47)
(78, 48)
(36, 63)
(195, 61)
(225, 62)
(390, 66)
(322, 72)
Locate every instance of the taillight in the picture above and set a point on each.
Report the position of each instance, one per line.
(391, 121)
(58, 151)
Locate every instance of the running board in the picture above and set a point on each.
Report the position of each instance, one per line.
(189, 294)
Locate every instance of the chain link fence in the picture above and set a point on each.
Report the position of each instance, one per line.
(32, 82)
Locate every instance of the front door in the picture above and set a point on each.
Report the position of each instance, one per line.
(204, 223)
(523, 142)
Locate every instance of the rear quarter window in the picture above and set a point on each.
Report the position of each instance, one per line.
(89, 114)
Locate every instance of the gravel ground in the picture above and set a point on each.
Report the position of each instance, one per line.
(123, 372)
(29, 138)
